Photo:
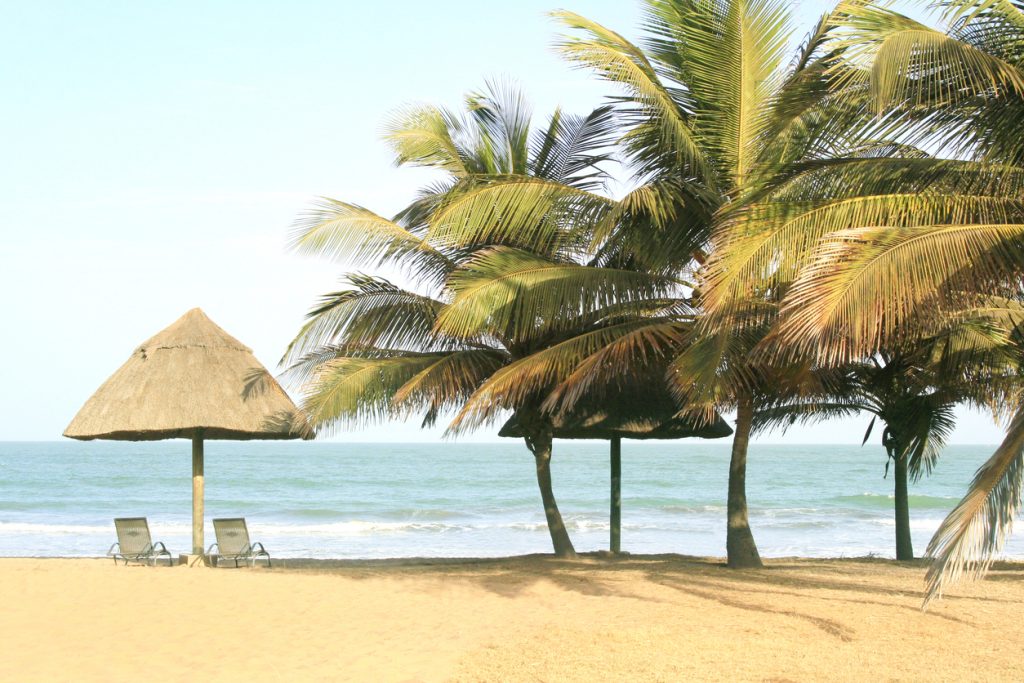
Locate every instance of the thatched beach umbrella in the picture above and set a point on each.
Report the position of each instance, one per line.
(191, 381)
(638, 412)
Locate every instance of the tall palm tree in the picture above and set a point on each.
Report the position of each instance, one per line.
(715, 120)
(479, 300)
(920, 236)
(912, 398)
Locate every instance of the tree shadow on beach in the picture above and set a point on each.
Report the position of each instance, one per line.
(858, 600)
(601, 575)
(845, 575)
(508, 577)
(715, 590)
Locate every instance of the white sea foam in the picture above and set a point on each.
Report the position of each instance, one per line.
(54, 529)
(378, 500)
(929, 524)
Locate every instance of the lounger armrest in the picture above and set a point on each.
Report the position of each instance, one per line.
(162, 548)
(259, 545)
(209, 551)
(111, 551)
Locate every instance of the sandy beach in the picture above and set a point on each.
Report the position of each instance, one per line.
(519, 619)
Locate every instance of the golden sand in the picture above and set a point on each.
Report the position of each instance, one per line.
(664, 618)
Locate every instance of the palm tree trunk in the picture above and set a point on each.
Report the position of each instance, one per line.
(540, 444)
(904, 546)
(739, 541)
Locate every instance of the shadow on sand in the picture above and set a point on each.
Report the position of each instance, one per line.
(856, 581)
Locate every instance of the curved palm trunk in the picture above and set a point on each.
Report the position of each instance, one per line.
(904, 546)
(540, 444)
(739, 541)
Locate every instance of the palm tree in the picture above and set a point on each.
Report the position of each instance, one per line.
(482, 296)
(919, 237)
(714, 122)
(719, 367)
(914, 402)
(813, 197)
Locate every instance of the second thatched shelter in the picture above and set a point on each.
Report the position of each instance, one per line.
(636, 412)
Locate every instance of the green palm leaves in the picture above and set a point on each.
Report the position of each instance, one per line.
(351, 233)
(855, 202)
(500, 268)
(790, 220)
(723, 135)
(888, 275)
(504, 246)
(946, 89)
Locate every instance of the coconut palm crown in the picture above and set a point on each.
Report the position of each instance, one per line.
(714, 118)
(922, 236)
(846, 194)
(913, 391)
(480, 296)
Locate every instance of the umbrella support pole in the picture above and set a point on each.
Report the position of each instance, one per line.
(197, 494)
(615, 544)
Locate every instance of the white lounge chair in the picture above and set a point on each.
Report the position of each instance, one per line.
(233, 543)
(134, 543)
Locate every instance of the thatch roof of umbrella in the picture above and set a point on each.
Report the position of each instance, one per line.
(192, 376)
(192, 380)
(639, 411)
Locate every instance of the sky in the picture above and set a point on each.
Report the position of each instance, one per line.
(158, 153)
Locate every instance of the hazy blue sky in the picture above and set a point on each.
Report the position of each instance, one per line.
(157, 153)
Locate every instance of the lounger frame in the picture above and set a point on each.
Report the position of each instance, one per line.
(233, 544)
(134, 543)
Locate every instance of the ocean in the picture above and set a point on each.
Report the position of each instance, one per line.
(357, 500)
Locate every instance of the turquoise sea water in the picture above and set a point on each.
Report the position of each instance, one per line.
(350, 500)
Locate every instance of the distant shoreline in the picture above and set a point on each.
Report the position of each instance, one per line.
(724, 443)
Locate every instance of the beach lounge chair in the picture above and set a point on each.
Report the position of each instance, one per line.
(233, 543)
(134, 543)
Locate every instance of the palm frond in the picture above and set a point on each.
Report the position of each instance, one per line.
(963, 14)
(964, 545)
(517, 295)
(733, 56)
(415, 217)
(898, 270)
(764, 246)
(529, 379)
(521, 211)
(572, 148)
(502, 115)
(930, 429)
(886, 168)
(618, 61)
(782, 417)
(655, 201)
(448, 382)
(662, 226)
(356, 236)
(354, 391)
(371, 313)
(647, 343)
(708, 374)
(427, 136)
(907, 60)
